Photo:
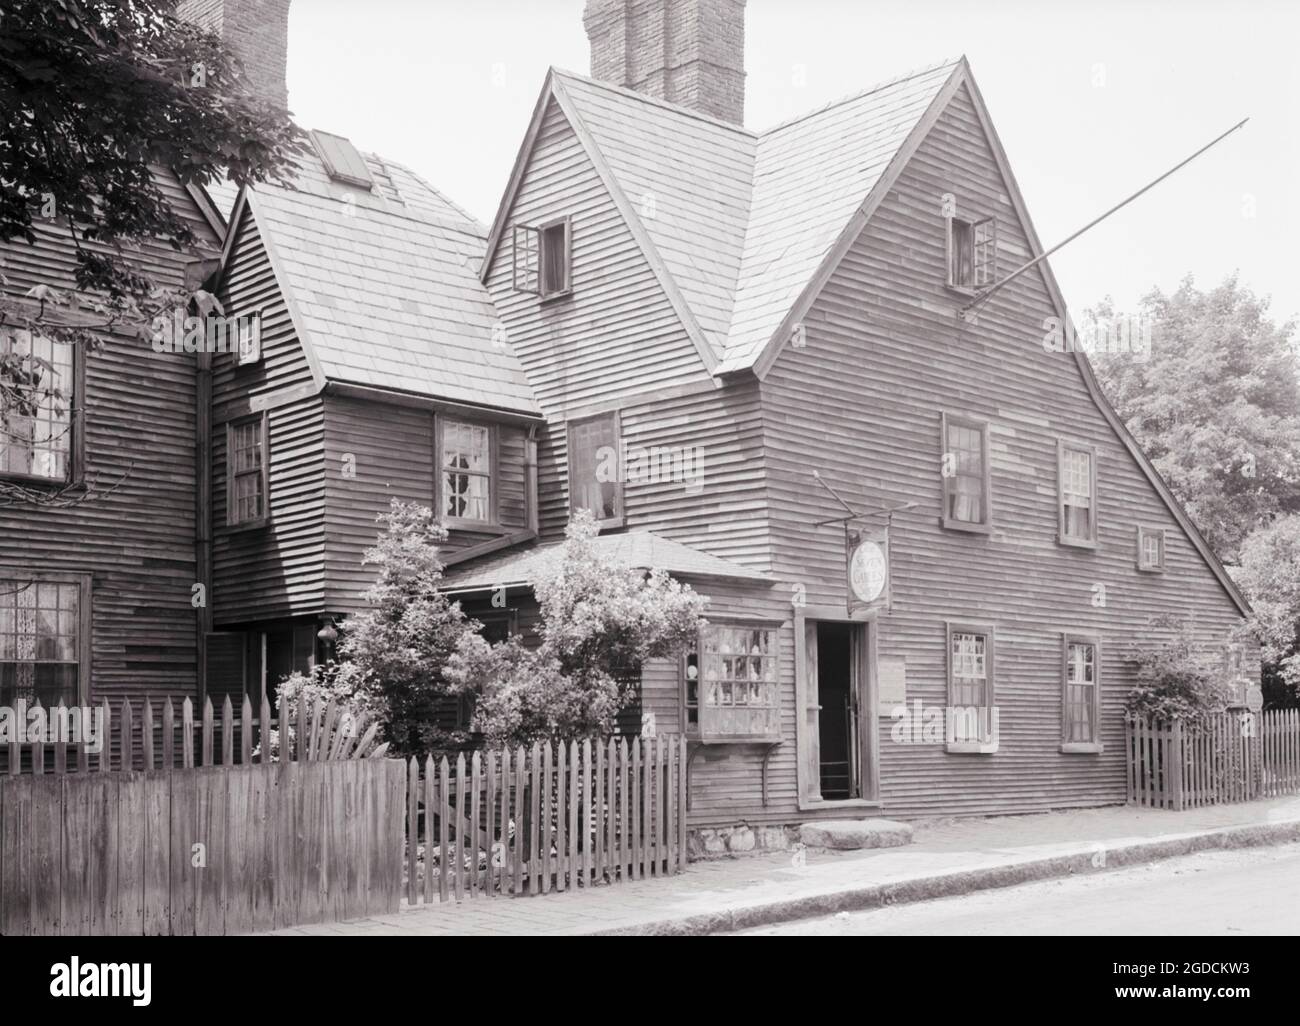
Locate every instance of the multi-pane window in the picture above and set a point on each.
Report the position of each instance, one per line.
(972, 253)
(466, 471)
(965, 474)
(36, 400)
(543, 258)
(1077, 471)
(596, 468)
(1151, 548)
(247, 441)
(971, 709)
(1081, 707)
(731, 685)
(41, 641)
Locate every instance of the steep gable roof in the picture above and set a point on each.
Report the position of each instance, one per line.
(736, 223)
(382, 287)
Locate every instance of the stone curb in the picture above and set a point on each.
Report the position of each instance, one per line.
(946, 885)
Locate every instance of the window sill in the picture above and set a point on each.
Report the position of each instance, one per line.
(1082, 748)
(963, 525)
(1150, 569)
(1076, 543)
(965, 291)
(971, 747)
(556, 296)
(246, 526)
(54, 484)
(476, 526)
(839, 803)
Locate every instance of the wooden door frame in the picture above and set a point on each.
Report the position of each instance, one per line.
(868, 686)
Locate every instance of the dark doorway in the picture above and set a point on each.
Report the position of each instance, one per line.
(837, 695)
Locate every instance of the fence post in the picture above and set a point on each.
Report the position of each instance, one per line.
(1179, 762)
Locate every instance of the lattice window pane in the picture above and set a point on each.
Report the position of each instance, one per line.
(36, 400)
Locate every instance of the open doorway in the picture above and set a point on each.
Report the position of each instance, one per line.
(839, 744)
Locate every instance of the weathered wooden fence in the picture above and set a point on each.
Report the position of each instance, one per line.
(157, 738)
(312, 832)
(545, 818)
(1231, 757)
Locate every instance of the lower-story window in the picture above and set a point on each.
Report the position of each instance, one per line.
(1081, 698)
(731, 684)
(971, 713)
(44, 642)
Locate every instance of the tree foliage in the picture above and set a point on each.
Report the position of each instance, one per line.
(1216, 406)
(400, 645)
(599, 622)
(97, 97)
(1270, 576)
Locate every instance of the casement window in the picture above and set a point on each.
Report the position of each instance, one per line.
(1151, 549)
(731, 684)
(39, 436)
(250, 341)
(1080, 693)
(972, 713)
(596, 468)
(965, 469)
(44, 638)
(466, 460)
(972, 253)
(1077, 477)
(543, 258)
(248, 481)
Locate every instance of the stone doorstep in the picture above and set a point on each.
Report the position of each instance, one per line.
(853, 834)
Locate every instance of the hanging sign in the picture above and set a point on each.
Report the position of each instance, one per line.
(868, 569)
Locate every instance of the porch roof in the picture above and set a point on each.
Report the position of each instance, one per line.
(636, 550)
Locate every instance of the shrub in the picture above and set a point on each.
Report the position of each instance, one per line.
(598, 621)
(1175, 679)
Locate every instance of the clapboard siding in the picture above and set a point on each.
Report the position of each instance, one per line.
(391, 451)
(885, 356)
(276, 571)
(617, 333)
(137, 543)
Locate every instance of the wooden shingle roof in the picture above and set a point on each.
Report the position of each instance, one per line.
(384, 288)
(741, 221)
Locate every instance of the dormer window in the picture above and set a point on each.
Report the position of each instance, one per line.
(972, 253)
(543, 258)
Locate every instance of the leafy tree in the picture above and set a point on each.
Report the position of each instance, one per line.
(599, 622)
(96, 97)
(1216, 405)
(1270, 576)
(400, 645)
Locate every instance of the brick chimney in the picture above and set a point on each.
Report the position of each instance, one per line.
(257, 31)
(688, 52)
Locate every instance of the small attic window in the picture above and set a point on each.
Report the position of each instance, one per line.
(343, 161)
(542, 258)
(972, 253)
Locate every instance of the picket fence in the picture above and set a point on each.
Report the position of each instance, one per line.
(159, 739)
(305, 826)
(1229, 757)
(545, 818)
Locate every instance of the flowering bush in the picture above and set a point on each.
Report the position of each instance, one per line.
(599, 620)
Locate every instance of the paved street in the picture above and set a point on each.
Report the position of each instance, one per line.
(1247, 891)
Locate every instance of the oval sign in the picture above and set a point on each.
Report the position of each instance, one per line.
(868, 571)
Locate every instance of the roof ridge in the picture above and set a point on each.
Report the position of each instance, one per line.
(676, 108)
(897, 79)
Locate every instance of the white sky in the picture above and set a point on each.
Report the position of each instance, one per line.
(1092, 99)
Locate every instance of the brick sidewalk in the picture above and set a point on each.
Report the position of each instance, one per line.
(942, 850)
